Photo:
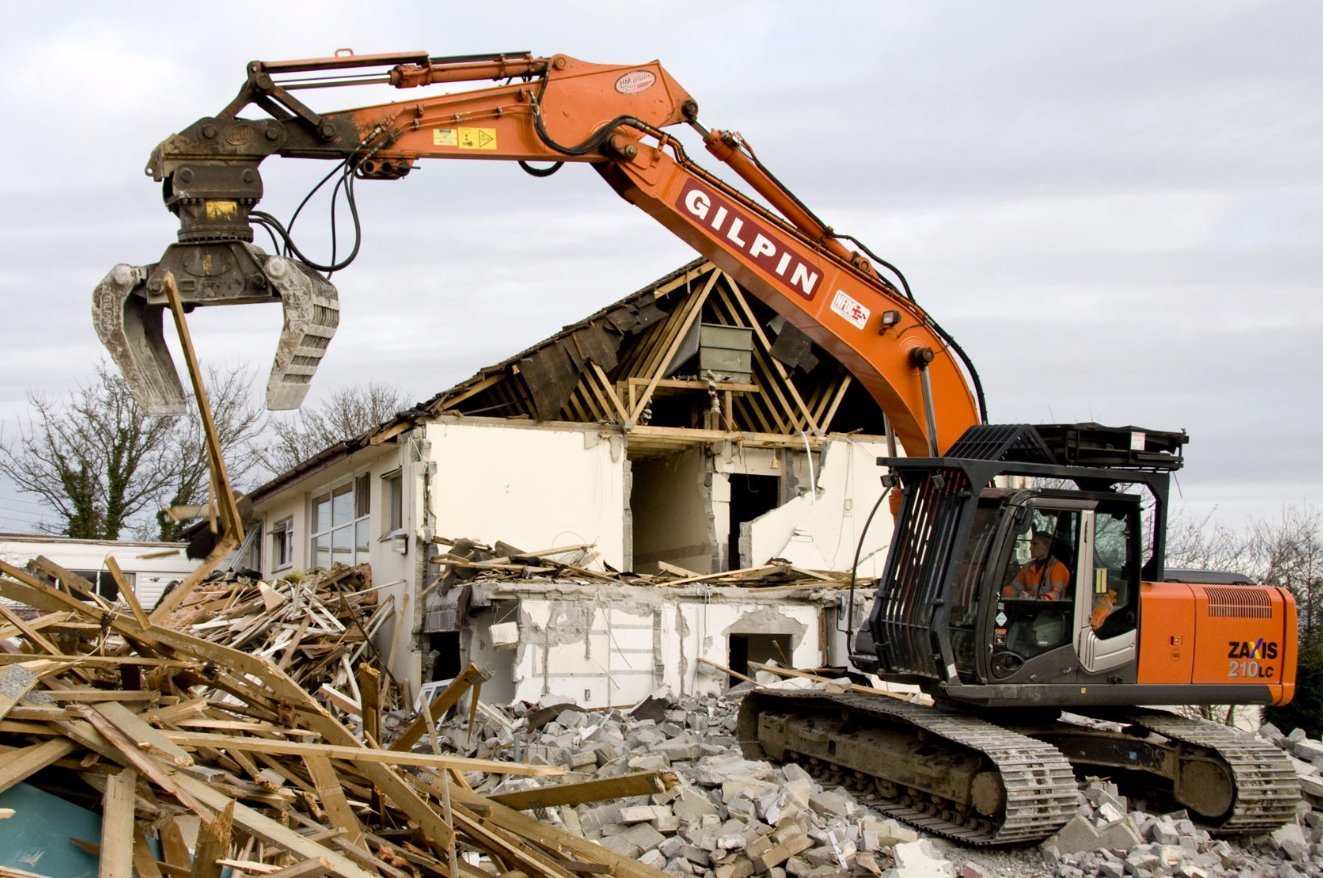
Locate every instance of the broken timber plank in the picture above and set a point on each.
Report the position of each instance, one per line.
(623, 786)
(359, 755)
(116, 858)
(470, 676)
(22, 764)
(332, 795)
(271, 832)
(213, 844)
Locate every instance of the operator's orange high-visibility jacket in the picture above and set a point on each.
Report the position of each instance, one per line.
(1044, 580)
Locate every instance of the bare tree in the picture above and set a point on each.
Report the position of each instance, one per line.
(102, 465)
(345, 414)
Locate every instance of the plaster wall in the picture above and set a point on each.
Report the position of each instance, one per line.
(820, 528)
(535, 487)
(673, 510)
(615, 645)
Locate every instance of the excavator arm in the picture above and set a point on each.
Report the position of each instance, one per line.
(556, 110)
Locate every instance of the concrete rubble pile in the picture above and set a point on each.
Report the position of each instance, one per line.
(729, 817)
(175, 754)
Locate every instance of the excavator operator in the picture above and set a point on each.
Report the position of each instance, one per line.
(1044, 578)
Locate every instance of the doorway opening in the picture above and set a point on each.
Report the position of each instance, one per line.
(750, 497)
(758, 648)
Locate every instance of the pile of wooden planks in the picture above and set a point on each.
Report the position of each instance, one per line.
(317, 628)
(201, 754)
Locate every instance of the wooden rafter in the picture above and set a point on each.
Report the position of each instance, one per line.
(658, 365)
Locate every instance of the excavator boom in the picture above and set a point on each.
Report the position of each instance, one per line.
(554, 109)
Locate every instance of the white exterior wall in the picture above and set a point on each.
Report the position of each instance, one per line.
(616, 645)
(820, 530)
(393, 573)
(151, 566)
(535, 487)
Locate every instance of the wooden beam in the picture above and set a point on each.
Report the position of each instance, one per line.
(269, 831)
(332, 795)
(126, 591)
(116, 858)
(144, 861)
(359, 754)
(776, 364)
(468, 677)
(213, 844)
(659, 366)
(21, 764)
(622, 786)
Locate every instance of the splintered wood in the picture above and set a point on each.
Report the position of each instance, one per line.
(240, 733)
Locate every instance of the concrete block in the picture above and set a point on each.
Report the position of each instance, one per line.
(622, 845)
(737, 869)
(644, 836)
(679, 751)
(921, 859)
(1308, 750)
(864, 863)
(1292, 841)
(653, 858)
(832, 804)
(697, 856)
(637, 814)
(1076, 836)
(583, 759)
(649, 762)
(672, 848)
(692, 805)
(749, 789)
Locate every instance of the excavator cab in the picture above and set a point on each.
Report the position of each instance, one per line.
(1022, 565)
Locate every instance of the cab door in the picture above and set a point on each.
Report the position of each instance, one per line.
(1107, 589)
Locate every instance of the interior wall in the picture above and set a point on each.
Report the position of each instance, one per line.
(820, 529)
(671, 507)
(533, 487)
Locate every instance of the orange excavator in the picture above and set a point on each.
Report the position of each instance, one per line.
(1024, 589)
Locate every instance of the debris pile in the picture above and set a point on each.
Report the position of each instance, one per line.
(467, 561)
(199, 755)
(730, 817)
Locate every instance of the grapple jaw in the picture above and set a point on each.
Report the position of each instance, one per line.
(129, 305)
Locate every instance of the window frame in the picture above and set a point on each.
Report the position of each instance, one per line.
(282, 554)
(355, 525)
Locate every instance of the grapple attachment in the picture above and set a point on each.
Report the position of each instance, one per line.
(128, 307)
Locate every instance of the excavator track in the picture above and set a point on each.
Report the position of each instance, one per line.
(1001, 788)
(1264, 786)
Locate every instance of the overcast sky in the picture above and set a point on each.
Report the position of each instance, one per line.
(1117, 209)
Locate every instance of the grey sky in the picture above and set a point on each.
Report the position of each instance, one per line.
(1117, 209)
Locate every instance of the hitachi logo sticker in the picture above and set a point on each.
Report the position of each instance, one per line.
(733, 226)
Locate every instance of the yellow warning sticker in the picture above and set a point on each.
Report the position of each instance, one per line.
(444, 137)
(477, 138)
(222, 210)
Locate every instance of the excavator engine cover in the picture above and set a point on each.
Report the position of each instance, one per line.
(129, 304)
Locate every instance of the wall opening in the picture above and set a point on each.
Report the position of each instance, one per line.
(750, 497)
(746, 648)
(443, 647)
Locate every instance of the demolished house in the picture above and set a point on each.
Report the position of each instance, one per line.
(685, 430)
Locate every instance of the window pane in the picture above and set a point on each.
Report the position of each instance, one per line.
(321, 552)
(361, 540)
(341, 544)
(321, 513)
(392, 496)
(362, 492)
(342, 505)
